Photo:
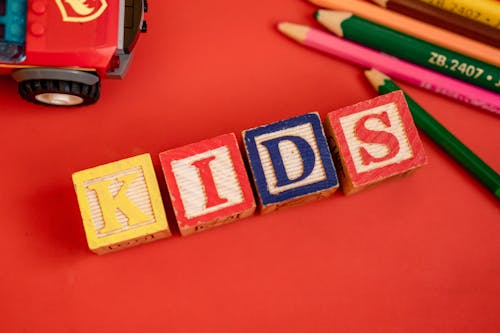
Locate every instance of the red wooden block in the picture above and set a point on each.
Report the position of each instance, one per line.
(374, 140)
(208, 183)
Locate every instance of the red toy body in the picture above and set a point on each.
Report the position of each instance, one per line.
(57, 43)
(68, 46)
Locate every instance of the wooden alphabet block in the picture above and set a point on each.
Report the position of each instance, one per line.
(374, 140)
(290, 162)
(207, 183)
(121, 204)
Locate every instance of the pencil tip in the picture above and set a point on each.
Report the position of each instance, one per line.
(375, 77)
(294, 31)
(284, 26)
(332, 20)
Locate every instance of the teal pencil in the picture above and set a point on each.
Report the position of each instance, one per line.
(437, 132)
(412, 49)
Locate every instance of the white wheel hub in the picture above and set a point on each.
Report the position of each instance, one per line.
(59, 99)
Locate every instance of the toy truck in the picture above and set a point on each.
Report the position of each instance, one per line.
(59, 50)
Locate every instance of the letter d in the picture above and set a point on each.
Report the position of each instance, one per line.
(306, 156)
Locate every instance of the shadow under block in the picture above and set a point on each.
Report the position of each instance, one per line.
(290, 162)
(373, 141)
(208, 183)
(121, 204)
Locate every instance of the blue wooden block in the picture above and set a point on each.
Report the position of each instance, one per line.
(290, 162)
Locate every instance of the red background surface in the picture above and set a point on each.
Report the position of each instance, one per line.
(417, 254)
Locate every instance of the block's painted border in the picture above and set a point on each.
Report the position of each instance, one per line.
(361, 179)
(225, 140)
(255, 162)
(143, 161)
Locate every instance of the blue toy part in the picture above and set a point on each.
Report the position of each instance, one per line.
(290, 159)
(12, 30)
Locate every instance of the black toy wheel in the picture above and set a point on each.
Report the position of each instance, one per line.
(59, 92)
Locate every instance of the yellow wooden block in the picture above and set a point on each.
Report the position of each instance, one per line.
(121, 204)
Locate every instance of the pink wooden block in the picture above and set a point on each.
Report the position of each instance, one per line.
(374, 140)
(208, 183)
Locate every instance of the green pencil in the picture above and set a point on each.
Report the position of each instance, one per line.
(437, 132)
(412, 49)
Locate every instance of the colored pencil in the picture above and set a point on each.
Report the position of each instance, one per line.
(416, 28)
(409, 48)
(444, 19)
(484, 11)
(437, 132)
(397, 68)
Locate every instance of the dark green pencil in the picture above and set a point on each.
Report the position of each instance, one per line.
(437, 132)
(412, 49)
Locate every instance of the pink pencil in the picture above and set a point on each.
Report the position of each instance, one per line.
(392, 66)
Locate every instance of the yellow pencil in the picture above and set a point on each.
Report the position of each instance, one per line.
(484, 11)
(415, 28)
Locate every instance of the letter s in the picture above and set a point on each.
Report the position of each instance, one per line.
(381, 137)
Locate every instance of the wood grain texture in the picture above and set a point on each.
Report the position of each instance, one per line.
(290, 162)
(374, 140)
(121, 204)
(208, 183)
